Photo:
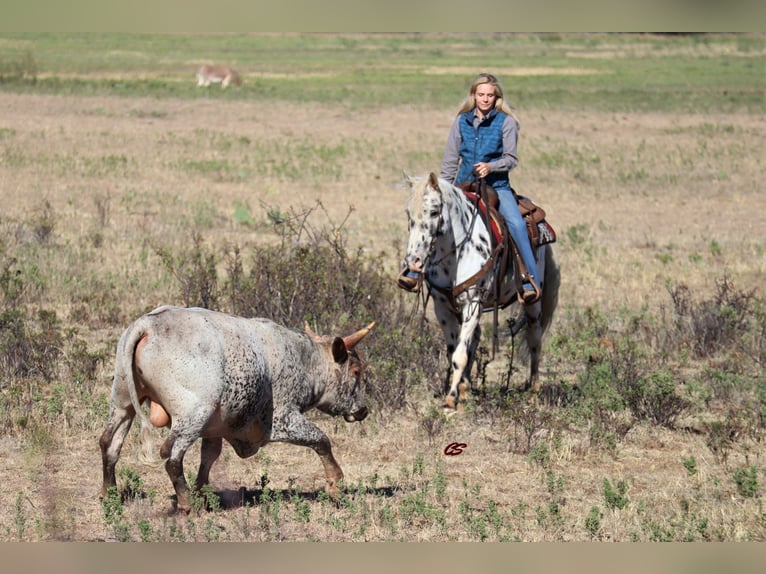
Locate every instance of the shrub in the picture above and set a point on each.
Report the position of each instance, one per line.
(746, 480)
(593, 522)
(653, 397)
(615, 494)
(709, 326)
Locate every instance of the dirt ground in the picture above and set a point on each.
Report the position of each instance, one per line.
(645, 189)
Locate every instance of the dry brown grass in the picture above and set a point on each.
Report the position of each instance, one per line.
(638, 200)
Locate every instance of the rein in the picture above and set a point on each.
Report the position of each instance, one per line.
(457, 290)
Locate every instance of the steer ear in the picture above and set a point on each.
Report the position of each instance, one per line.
(339, 351)
(353, 340)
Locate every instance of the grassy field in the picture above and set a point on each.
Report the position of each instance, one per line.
(124, 187)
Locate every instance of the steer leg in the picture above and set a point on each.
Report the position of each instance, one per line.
(173, 449)
(210, 451)
(293, 428)
(111, 442)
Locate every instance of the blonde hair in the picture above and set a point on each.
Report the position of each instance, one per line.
(501, 105)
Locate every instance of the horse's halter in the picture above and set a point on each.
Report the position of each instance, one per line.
(405, 280)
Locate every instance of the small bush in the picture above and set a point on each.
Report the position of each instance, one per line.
(712, 325)
(593, 522)
(615, 494)
(196, 273)
(746, 480)
(690, 464)
(653, 397)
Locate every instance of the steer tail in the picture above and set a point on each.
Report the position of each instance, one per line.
(129, 343)
(148, 453)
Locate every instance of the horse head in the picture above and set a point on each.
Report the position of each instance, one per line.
(425, 219)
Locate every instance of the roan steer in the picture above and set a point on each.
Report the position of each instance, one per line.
(217, 376)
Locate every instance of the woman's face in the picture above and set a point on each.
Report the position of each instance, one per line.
(485, 98)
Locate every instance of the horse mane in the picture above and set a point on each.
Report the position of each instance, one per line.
(450, 193)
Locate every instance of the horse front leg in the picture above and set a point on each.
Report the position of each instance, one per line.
(462, 357)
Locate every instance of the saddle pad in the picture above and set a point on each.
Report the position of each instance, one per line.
(545, 233)
(496, 226)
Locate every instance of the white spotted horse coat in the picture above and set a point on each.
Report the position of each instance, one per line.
(217, 376)
(449, 247)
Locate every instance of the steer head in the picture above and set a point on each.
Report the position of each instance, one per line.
(345, 397)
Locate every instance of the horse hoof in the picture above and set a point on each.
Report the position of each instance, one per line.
(449, 403)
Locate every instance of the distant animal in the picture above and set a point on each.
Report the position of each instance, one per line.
(451, 248)
(223, 75)
(218, 376)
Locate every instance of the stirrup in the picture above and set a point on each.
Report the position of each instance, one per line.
(526, 296)
(410, 280)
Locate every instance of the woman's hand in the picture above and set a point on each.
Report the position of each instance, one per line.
(481, 169)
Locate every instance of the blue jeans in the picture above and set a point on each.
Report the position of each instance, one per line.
(518, 229)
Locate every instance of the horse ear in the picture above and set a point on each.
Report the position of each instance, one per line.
(433, 180)
(407, 178)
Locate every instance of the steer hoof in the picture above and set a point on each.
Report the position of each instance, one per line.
(532, 385)
(177, 507)
(333, 491)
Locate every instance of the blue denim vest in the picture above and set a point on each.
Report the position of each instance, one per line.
(484, 143)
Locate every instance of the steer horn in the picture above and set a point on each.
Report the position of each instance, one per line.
(310, 332)
(352, 341)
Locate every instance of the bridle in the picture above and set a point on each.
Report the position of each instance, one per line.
(451, 294)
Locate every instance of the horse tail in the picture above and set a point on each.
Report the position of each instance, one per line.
(551, 282)
(549, 300)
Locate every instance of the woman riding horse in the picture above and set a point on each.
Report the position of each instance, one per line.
(482, 144)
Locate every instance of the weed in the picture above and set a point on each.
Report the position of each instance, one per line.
(134, 484)
(653, 397)
(114, 514)
(720, 438)
(195, 272)
(615, 494)
(439, 483)
(540, 455)
(433, 423)
(242, 215)
(746, 480)
(690, 464)
(44, 222)
(145, 532)
(418, 465)
(593, 522)
(19, 517)
(302, 509)
(712, 325)
(529, 420)
(211, 498)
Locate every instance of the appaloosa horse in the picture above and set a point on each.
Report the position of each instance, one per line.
(452, 249)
